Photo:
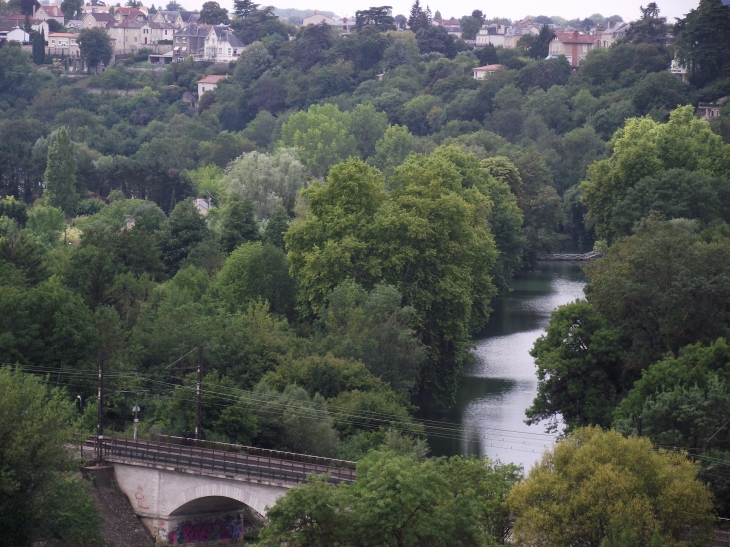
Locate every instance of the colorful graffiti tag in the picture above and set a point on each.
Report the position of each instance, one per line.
(200, 532)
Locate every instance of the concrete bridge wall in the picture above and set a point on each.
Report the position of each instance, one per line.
(171, 502)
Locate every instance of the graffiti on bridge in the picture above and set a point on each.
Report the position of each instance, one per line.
(200, 532)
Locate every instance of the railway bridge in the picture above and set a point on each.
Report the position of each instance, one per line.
(187, 491)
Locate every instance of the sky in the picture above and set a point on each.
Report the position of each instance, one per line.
(515, 9)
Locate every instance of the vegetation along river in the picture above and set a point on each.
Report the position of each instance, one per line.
(501, 383)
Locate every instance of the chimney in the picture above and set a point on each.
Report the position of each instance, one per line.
(575, 35)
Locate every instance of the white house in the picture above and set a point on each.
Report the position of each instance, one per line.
(221, 45)
(44, 13)
(17, 35)
(209, 83)
(481, 72)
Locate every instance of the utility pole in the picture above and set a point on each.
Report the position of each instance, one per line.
(100, 412)
(199, 400)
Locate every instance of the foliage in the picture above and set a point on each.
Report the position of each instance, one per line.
(239, 224)
(60, 176)
(257, 271)
(213, 14)
(650, 29)
(181, 234)
(36, 424)
(95, 46)
(595, 482)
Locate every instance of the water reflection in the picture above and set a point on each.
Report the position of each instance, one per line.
(500, 383)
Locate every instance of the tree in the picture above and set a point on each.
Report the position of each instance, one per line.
(392, 149)
(173, 5)
(39, 47)
(477, 14)
(368, 126)
(243, 8)
(239, 224)
(436, 40)
(469, 27)
(276, 227)
(95, 46)
(702, 41)
(381, 18)
(72, 9)
(60, 175)
(374, 328)
(662, 288)
(321, 136)
(644, 148)
(252, 63)
(40, 500)
(649, 29)
(213, 14)
(595, 483)
(354, 229)
(181, 234)
(419, 18)
(269, 180)
(579, 369)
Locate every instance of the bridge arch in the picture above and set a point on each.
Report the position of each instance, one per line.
(214, 490)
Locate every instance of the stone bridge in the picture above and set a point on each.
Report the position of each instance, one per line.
(187, 491)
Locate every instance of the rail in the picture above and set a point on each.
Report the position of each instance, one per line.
(229, 463)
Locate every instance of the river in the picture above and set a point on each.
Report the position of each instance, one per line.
(501, 383)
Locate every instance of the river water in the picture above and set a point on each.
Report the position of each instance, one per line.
(501, 383)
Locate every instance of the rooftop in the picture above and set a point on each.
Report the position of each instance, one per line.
(212, 79)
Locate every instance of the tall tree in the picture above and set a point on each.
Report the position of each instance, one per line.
(702, 41)
(95, 46)
(213, 14)
(650, 28)
(239, 224)
(71, 9)
(419, 18)
(39, 47)
(60, 175)
(242, 8)
(380, 18)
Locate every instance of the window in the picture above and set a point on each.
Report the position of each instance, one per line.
(135, 38)
(203, 89)
(585, 48)
(220, 50)
(229, 51)
(165, 32)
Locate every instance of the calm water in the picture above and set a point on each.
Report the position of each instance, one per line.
(501, 383)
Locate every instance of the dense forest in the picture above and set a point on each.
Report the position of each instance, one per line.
(333, 224)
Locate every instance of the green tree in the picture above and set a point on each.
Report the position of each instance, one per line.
(39, 499)
(469, 27)
(418, 18)
(39, 47)
(649, 29)
(242, 8)
(71, 9)
(392, 149)
(579, 369)
(595, 481)
(276, 227)
(355, 230)
(252, 63)
(380, 18)
(257, 271)
(269, 180)
(95, 47)
(702, 41)
(368, 126)
(662, 288)
(239, 224)
(60, 175)
(644, 148)
(181, 234)
(213, 14)
(321, 136)
(374, 328)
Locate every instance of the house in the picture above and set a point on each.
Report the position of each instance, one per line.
(74, 25)
(678, 70)
(98, 19)
(190, 40)
(189, 98)
(316, 19)
(167, 16)
(132, 35)
(40, 26)
(515, 33)
(95, 9)
(708, 111)
(62, 44)
(209, 83)
(189, 17)
(574, 45)
(53, 11)
(613, 33)
(491, 34)
(452, 26)
(122, 15)
(17, 34)
(481, 72)
(202, 204)
(221, 45)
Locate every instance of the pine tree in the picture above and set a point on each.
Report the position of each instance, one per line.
(419, 18)
(60, 175)
(239, 224)
(39, 47)
(275, 228)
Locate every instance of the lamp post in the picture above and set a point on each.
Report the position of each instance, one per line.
(136, 409)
